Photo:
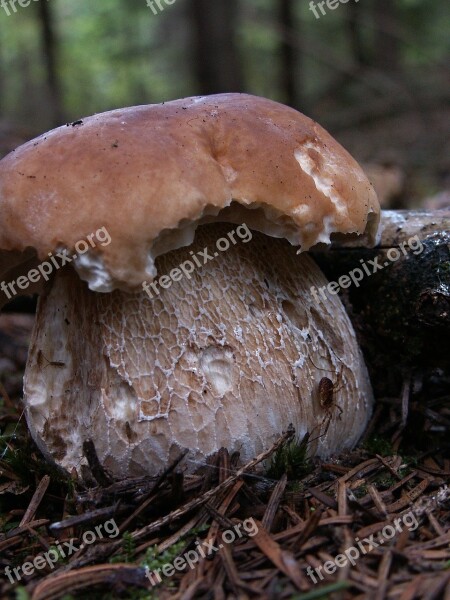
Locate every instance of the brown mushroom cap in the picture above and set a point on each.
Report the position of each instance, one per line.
(152, 174)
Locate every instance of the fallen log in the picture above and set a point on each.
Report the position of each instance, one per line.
(397, 226)
(397, 294)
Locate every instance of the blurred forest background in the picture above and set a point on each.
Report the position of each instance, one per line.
(375, 73)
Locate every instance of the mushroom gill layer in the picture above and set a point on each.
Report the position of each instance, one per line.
(227, 357)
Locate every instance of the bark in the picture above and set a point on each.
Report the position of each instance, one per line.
(398, 226)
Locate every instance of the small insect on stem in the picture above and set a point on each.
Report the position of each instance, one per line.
(326, 392)
(50, 363)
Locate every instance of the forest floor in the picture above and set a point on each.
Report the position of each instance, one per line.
(389, 500)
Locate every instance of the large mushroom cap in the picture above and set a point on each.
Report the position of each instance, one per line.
(151, 174)
(227, 356)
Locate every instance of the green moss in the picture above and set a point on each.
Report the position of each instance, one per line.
(22, 594)
(409, 464)
(292, 459)
(384, 480)
(361, 491)
(378, 445)
(128, 550)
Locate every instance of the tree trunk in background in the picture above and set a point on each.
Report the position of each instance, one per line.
(290, 67)
(217, 64)
(49, 47)
(2, 82)
(386, 40)
(360, 51)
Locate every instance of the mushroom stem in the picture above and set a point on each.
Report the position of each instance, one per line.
(228, 355)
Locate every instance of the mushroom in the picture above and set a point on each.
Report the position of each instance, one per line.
(226, 356)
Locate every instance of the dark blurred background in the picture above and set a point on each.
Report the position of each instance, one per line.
(375, 73)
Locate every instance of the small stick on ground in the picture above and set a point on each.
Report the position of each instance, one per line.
(35, 501)
(274, 503)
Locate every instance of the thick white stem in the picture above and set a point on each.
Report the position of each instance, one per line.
(227, 357)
